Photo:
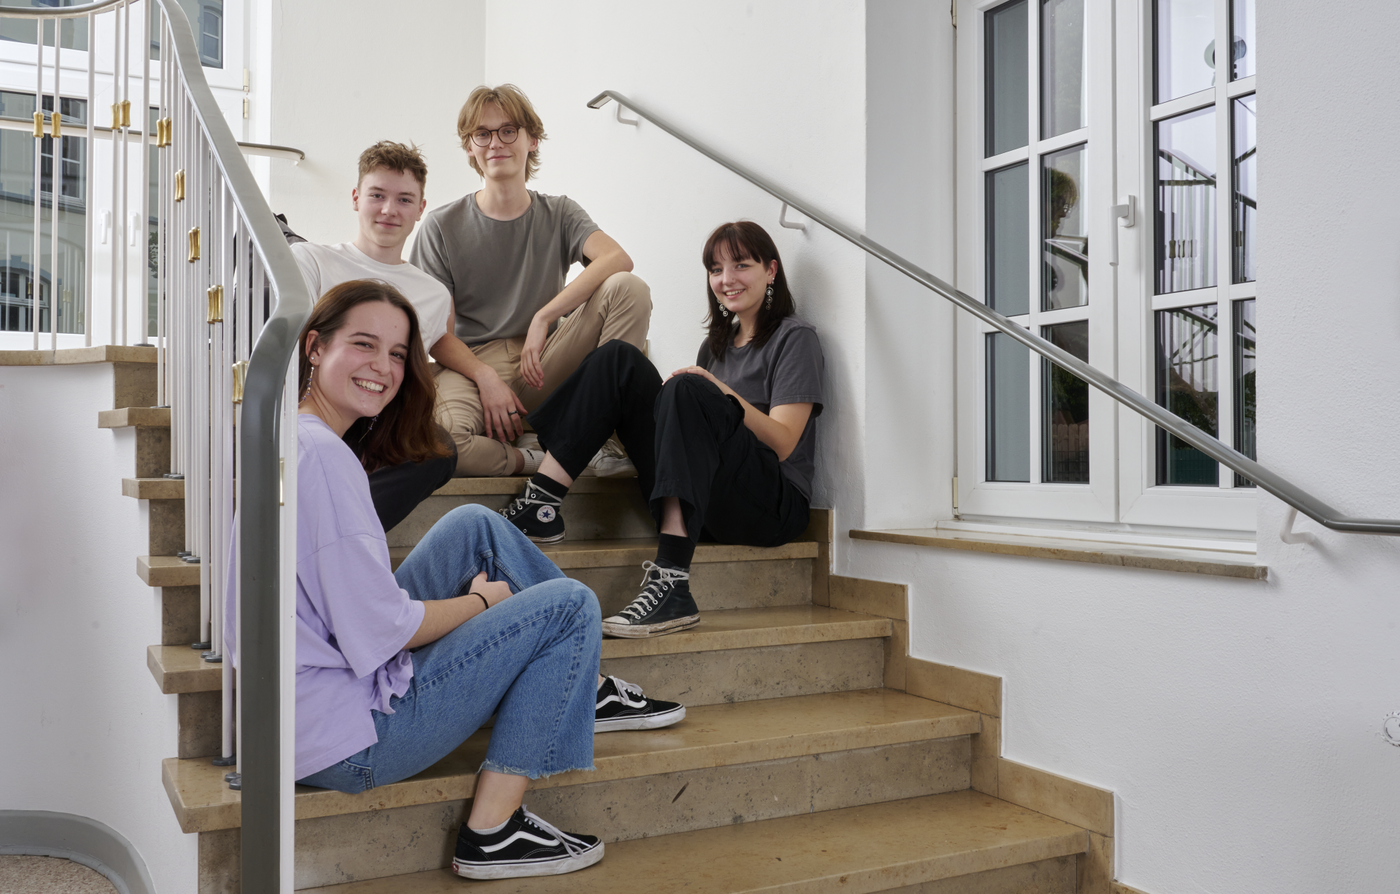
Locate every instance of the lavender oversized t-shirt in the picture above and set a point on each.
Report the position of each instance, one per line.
(352, 617)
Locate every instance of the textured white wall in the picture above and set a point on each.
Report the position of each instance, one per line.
(778, 86)
(86, 726)
(1238, 722)
(347, 74)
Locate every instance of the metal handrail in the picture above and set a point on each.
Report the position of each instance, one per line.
(260, 479)
(1266, 480)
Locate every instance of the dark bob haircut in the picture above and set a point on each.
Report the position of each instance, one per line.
(737, 240)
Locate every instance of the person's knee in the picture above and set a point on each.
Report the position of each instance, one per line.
(618, 352)
(630, 290)
(473, 517)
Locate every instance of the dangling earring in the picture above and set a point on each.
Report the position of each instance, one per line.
(307, 393)
(768, 302)
(373, 420)
(724, 313)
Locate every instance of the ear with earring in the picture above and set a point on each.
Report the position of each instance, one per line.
(309, 378)
(722, 311)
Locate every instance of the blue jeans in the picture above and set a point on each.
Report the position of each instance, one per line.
(532, 660)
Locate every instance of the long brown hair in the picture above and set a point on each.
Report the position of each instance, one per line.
(744, 239)
(403, 430)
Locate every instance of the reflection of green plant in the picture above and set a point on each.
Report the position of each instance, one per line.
(153, 253)
(1064, 195)
(1069, 395)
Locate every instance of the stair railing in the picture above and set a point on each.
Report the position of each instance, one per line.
(1298, 499)
(229, 304)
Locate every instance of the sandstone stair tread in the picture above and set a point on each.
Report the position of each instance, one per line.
(179, 668)
(856, 849)
(710, 736)
(134, 417)
(154, 488)
(169, 571)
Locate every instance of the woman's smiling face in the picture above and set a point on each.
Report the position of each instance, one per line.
(358, 370)
(739, 284)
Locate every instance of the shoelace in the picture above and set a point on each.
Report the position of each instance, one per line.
(631, 693)
(570, 843)
(519, 504)
(653, 588)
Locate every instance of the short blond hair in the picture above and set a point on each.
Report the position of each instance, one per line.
(515, 105)
(395, 157)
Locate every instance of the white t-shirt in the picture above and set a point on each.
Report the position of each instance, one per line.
(326, 266)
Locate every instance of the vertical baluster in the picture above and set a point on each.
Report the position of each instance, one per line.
(36, 259)
(55, 186)
(162, 213)
(87, 192)
(125, 246)
(145, 43)
(117, 308)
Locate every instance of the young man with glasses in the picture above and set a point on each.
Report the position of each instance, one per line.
(503, 252)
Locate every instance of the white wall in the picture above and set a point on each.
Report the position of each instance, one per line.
(86, 726)
(1238, 722)
(779, 86)
(347, 74)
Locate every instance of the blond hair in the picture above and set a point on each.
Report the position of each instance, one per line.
(395, 157)
(515, 105)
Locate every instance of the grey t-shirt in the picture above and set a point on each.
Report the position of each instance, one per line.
(500, 272)
(786, 370)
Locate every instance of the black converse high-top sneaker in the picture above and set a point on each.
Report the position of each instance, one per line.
(664, 605)
(536, 513)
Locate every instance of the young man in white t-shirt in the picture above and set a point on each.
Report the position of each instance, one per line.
(388, 200)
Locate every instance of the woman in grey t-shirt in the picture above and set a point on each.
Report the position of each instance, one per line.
(725, 447)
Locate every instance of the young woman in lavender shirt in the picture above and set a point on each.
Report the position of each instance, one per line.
(725, 447)
(396, 669)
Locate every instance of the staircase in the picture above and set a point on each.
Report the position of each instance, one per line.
(808, 760)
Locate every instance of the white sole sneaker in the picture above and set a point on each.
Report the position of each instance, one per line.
(620, 627)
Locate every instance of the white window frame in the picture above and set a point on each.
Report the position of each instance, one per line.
(1122, 492)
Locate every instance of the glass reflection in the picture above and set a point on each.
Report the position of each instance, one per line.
(60, 281)
(1187, 346)
(1242, 38)
(1185, 47)
(1062, 50)
(1185, 224)
(74, 31)
(1064, 231)
(1008, 230)
(1008, 409)
(1244, 384)
(1246, 205)
(1008, 108)
(1066, 408)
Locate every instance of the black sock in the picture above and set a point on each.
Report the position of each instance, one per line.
(675, 552)
(548, 487)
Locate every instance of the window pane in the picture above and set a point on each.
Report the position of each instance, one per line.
(1065, 267)
(1007, 106)
(1008, 409)
(1066, 408)
(74, 31)
(1062, 49)
(1186, 371)
(1185, 47)
(60, 282)
(1008, 232)
(206, 23)
(1186, 202)
(1242, 34)
(1244, 384)
(1246, 203)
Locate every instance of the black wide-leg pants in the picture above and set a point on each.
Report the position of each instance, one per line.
(687, 439)
(397, 490)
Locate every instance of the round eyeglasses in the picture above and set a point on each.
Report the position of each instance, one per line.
(508, 133)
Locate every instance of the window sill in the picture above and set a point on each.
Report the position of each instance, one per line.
(1220, 558)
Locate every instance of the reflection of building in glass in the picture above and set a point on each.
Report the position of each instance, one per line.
(1187, 351)
(60, 281)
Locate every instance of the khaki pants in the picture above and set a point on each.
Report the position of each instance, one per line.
(620, 308)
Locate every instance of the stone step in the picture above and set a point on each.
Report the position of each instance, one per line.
(134, 417)
(740, 576)
(180, 669)
(943, 843)
(710, 736)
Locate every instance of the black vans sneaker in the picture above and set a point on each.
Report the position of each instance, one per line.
(526, 846)
(536, 513)
(621, 705)
(664, 606)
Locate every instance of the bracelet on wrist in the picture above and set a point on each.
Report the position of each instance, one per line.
(484, 604)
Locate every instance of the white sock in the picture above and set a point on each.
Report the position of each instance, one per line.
(533, 458)
(490, 831)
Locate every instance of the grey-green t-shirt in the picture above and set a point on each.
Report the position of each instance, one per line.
(500, 272)
(787, 369)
